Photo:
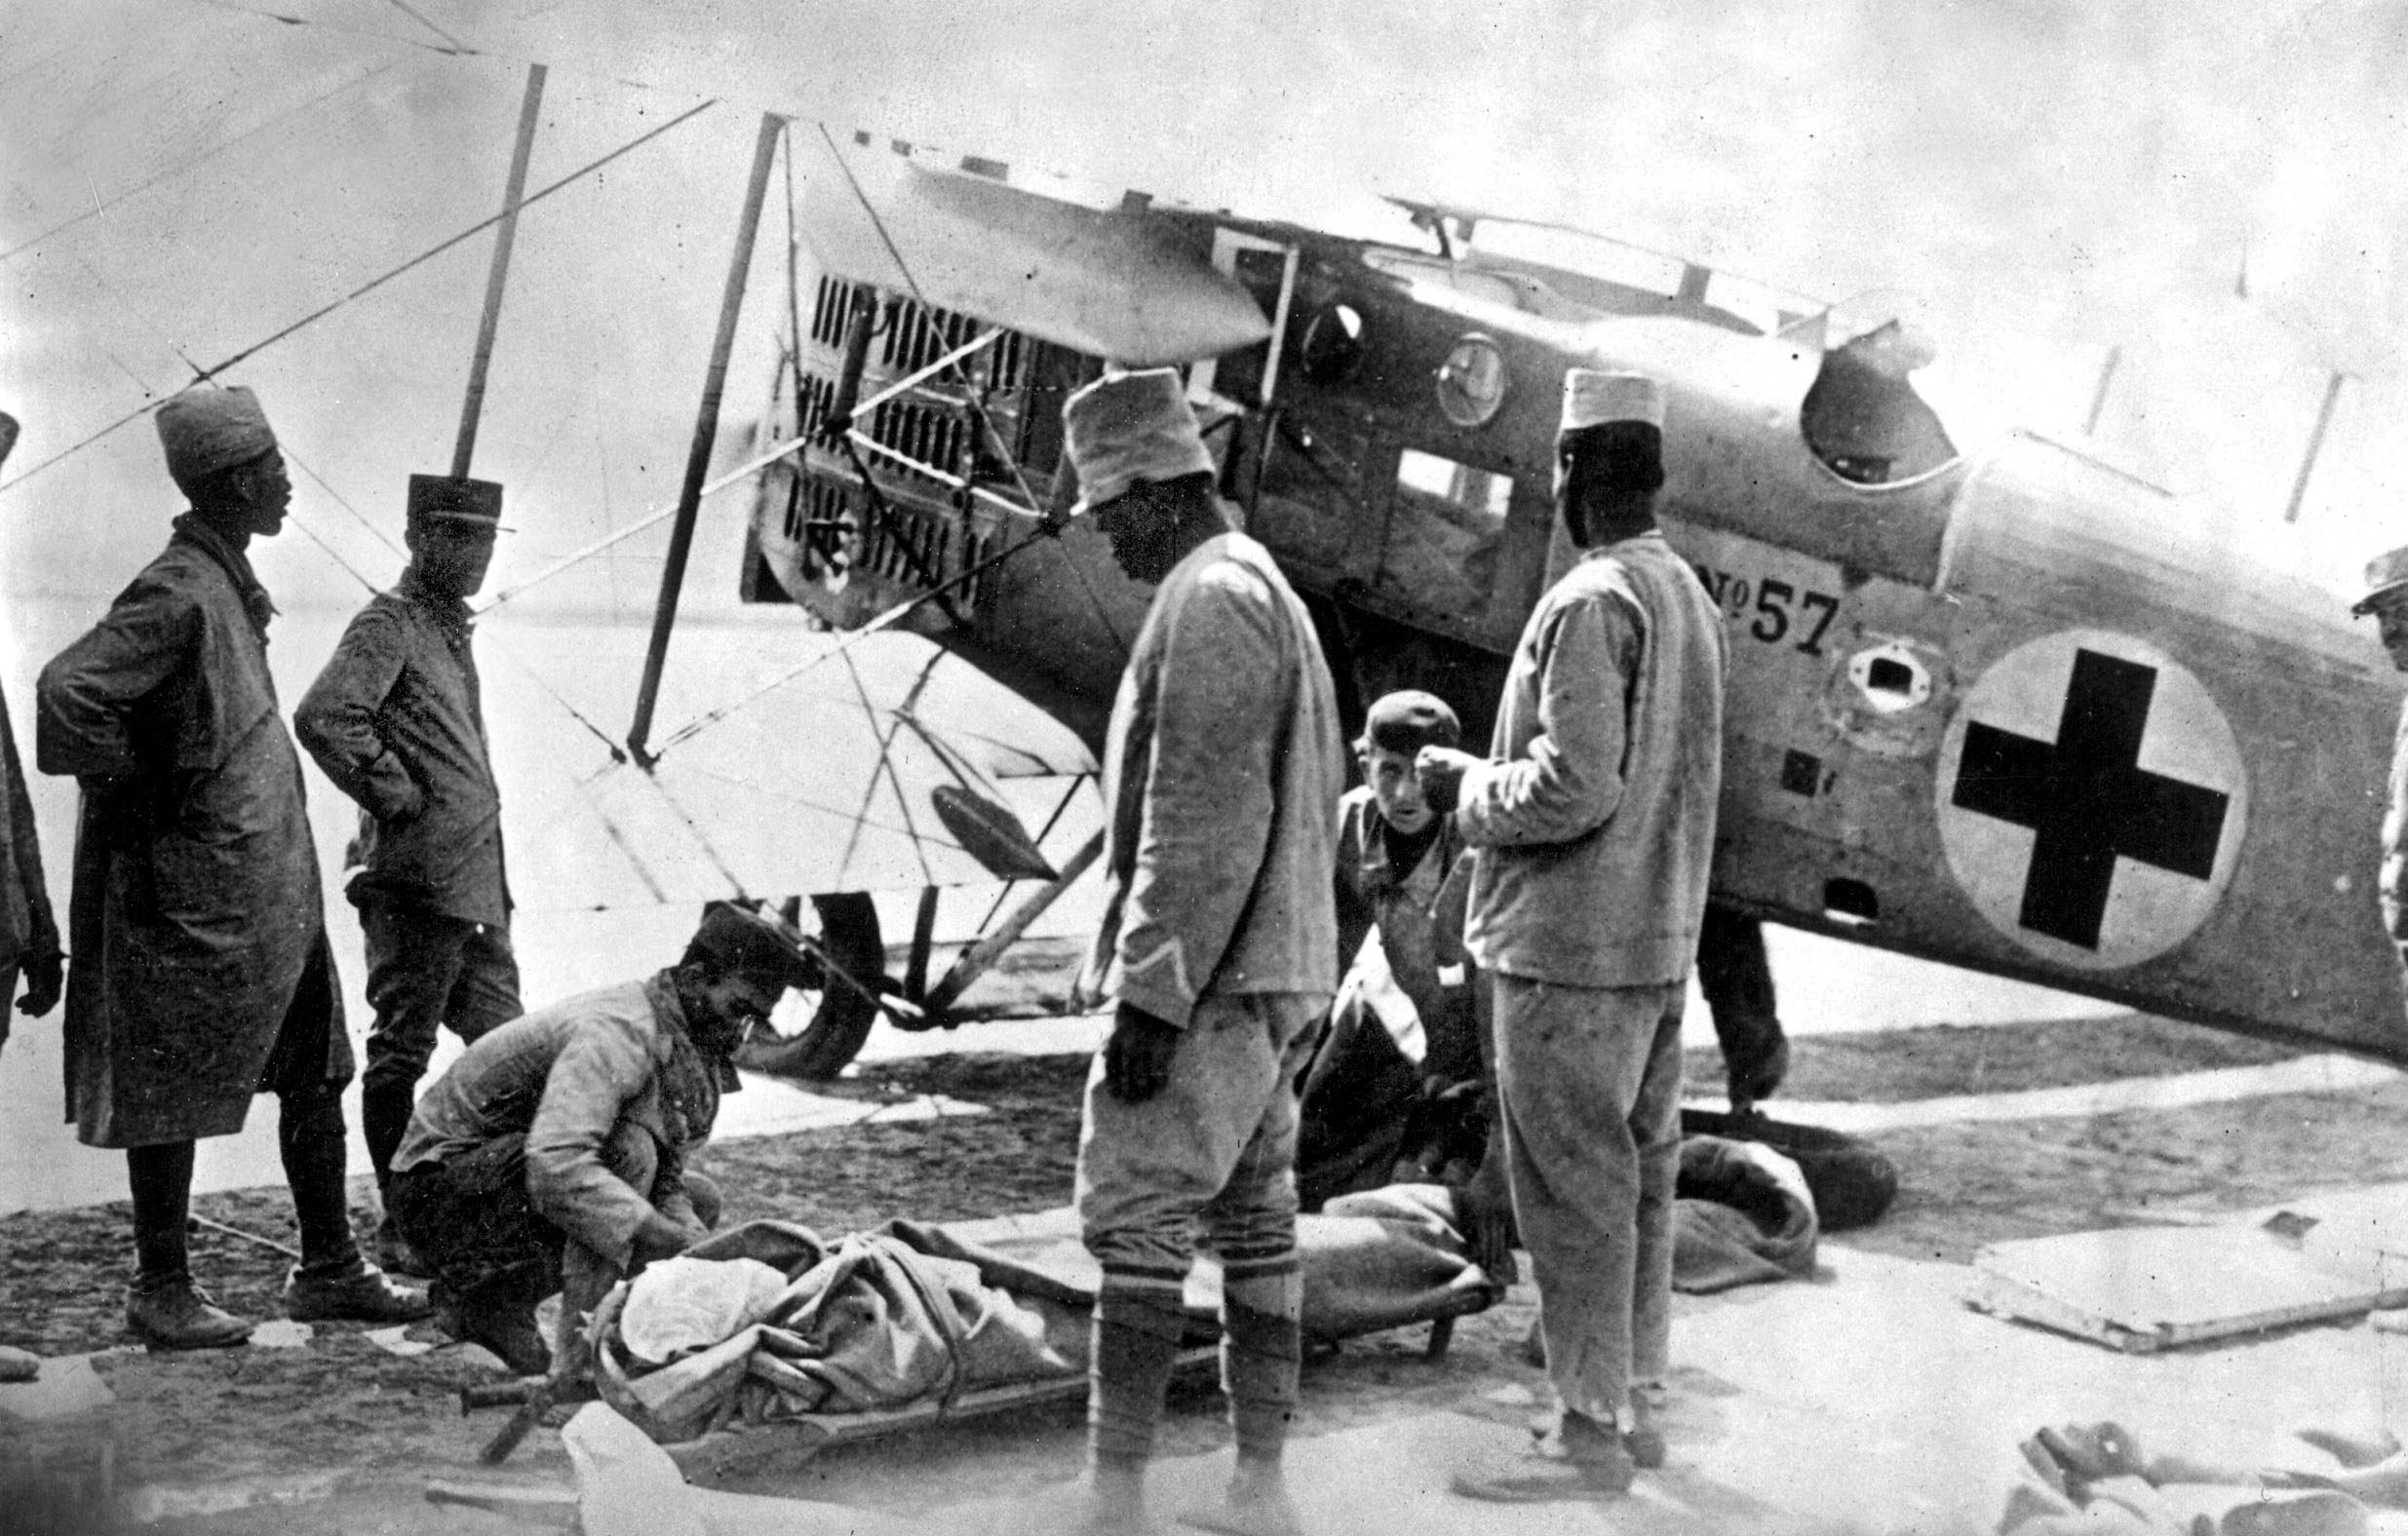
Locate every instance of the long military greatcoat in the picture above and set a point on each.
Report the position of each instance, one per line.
(196, 904)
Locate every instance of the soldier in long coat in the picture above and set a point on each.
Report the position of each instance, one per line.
(28, 933)
(202, 974)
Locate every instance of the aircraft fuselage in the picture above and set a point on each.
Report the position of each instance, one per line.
(2008, 710)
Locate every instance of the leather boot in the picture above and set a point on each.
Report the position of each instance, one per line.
(177, 1314)
(394, 1253)
(365, 1295)
(500, 1316)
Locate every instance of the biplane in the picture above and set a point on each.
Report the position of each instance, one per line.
(2001, 705)
(2013, 709)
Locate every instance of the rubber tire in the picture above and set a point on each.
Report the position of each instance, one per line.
(849, 928)
(1853, 1182)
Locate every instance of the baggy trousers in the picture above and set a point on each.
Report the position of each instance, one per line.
(1215, 1147)
(473, 1217)
(1589, 1088)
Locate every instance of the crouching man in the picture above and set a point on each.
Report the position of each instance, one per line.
(552, 1155)
(1398, 1090)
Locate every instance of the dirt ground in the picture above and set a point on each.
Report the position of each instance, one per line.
(340, 1435)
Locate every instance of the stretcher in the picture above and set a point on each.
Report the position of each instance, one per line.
(1379, 1266)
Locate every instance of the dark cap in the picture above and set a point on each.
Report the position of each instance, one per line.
(1408, 721)
(742, 941)
(2387, 576)
(468, 502)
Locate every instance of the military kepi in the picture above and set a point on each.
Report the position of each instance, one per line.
(2385, 575)
(1131, 426)
(463, 503)
(209, 428)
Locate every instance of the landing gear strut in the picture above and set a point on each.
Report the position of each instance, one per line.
(842, 1011)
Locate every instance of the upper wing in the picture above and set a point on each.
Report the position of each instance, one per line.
(1112, 283)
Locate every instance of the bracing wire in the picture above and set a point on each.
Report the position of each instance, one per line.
(883, 622)
(263, 14)
(188, 164)
(985, 422)
(369, 287)
(455, 45)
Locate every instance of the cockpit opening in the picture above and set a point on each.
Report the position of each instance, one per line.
(1862, 417)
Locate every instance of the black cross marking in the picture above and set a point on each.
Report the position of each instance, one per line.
(2087, 800)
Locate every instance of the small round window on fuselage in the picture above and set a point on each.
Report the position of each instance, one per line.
(1471, 382)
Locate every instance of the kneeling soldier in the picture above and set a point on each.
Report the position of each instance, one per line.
(552, 1155)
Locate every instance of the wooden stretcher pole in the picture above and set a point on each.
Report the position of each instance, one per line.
(705, 433)
(530, 109)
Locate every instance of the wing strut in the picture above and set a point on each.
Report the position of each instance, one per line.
(2316, 444)
(472, 405)
(705, 433)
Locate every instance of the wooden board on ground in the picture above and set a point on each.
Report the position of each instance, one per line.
(2147, 1289)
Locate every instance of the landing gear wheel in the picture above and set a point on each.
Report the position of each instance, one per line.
(838, 1016)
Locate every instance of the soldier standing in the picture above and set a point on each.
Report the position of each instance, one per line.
(2387, 599)
(28, 933)
(1222, 773)
(397, 722)
(1593, 821)
(202, 974)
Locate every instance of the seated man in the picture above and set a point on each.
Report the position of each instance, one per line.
(1394, 1092)
(552, 1155)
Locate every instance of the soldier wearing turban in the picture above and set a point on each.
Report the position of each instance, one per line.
(202, 971)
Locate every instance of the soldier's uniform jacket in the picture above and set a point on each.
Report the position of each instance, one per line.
(1594, 818)
(196, 903)
(26, 926)
(1419, 915)
(396, 721)
(1222, 773)
(572, 1076)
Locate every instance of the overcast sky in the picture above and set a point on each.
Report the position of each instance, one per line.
(181, 180)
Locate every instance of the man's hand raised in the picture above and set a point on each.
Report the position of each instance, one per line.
(1137, 1057)
(1439, 770)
